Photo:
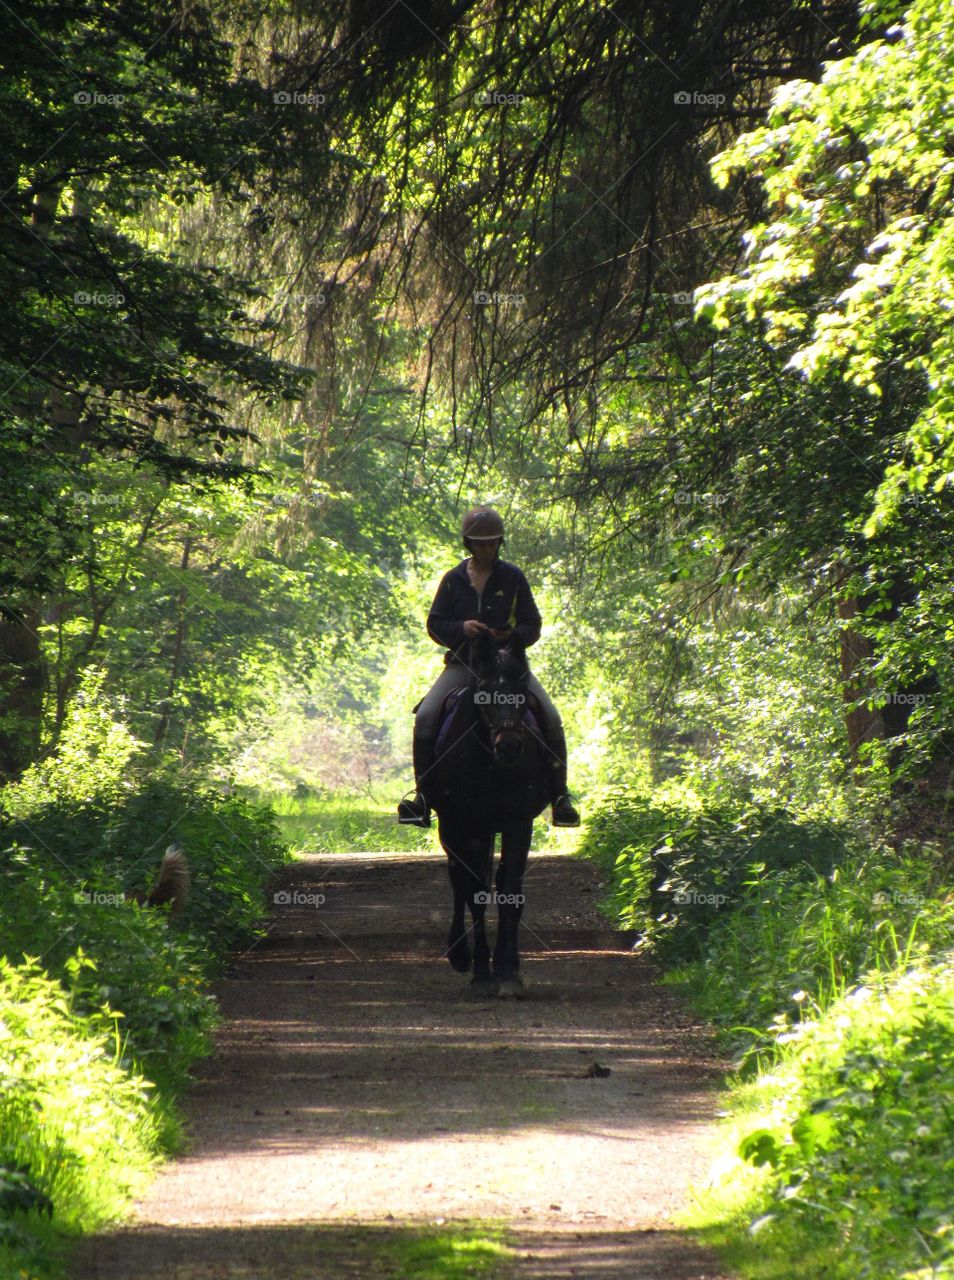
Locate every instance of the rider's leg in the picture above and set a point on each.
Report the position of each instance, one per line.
(416, 811)
(564, 811)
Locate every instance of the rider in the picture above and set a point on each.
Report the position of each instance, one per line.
(483, 593)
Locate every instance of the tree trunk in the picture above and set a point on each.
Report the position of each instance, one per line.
(22, 684)
(178, 649)
(857, 651)
(863, 725)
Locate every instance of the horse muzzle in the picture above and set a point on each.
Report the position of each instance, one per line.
(508, 748)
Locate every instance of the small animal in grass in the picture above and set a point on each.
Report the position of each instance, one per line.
(172, 883)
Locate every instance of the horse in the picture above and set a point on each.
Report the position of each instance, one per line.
(490, 776)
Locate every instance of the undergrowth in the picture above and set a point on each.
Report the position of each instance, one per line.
(104, 1004)
(823, 958)
(837, 1161)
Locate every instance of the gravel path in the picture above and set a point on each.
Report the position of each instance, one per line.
(358, 1088)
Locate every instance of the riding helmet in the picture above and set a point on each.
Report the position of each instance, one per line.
(482, 524)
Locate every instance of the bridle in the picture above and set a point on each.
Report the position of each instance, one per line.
(500, 725)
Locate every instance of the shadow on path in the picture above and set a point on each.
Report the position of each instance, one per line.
(364, 1251)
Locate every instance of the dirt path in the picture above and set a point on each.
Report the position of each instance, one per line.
(359, 1089)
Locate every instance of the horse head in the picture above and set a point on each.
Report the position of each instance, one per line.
(500, 695)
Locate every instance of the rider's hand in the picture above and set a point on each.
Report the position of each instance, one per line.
(473, 627)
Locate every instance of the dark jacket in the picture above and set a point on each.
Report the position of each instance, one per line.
(506, 601)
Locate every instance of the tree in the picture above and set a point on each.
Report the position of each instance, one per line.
(855, 263)
(109, 345)
(522, 191)
(851, 273)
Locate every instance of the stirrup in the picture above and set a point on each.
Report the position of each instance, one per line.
(565, 813)
(414, 812)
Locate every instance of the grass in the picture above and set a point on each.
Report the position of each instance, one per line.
(459, 1252)
(78, 1130)
(462, 1250)
(344, 822)
(354, 822)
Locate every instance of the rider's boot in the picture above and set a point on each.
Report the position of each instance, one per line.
(565, 813)
(414, 810)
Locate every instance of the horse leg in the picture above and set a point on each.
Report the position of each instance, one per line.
(468, 868)
(482, 981)
(514, 848)
(458, 946)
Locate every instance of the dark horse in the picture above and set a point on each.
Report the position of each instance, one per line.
(491, 775)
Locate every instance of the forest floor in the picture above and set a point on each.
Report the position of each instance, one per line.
(359, 1095)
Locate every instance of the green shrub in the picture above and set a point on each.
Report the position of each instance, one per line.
(112, 953)
(121, 1004)
(112, 845)
(67, 868)
(790, 945)
(749, 907)
(843, 1145)
(77, 1130)
(844, 1160)
(677, 867)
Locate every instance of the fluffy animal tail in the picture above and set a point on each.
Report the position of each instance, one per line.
(172, 883)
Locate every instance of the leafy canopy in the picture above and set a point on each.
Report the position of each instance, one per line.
(857, 264)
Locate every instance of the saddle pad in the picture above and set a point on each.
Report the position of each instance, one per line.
(448, 715)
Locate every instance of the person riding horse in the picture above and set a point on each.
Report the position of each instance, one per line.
(483, 593)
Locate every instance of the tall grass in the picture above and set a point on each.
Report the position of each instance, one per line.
(837, 1162)
(78, 1131)
(343, 822)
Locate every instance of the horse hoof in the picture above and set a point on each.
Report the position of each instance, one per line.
(483, 987)
(510, 987)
